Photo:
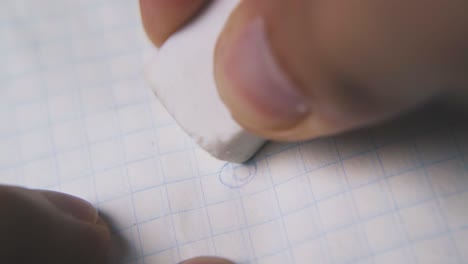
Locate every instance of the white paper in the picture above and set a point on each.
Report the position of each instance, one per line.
(76, 116)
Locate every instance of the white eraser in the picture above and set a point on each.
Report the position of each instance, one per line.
(181, 76)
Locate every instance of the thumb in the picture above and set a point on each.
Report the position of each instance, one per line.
(49, 227)
(293, 70)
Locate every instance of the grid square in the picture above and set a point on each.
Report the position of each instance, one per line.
(410, 187)
(106, 154)
(436, 147)
(53, 53)
(157, 235)
(160, 115)
(118, 209)
(302, 225)
(10, 152)
(260, 182)
(171, 138)
(195, 249)
(461, 241)
(436, 250)
(310, 250)
(268, 238)
(57, 81)
(398, 158)
(64, 107)
(7, 126)
(215, 191)
(40, 173)
(337, 211)
(102, 126)
(184, 195)
(165, 256)
(139, 145)
(144, 174)
(327, 181)
(225, 217)
(134, 118)
(422, 221)
(150, 204)
(206, 164)
(31, 115)
(68, 135)
(448, 177)
(35, 144)
(97, 97)
(371, 200)
(235, 246)
(91, 72)
(10, 177)
(454, 210)
(22, 62)
(285, 165)
(128, 91)
(177, 166)
(88, 47)
(319, 153)
(294, 194)
(264, 200)
(345, 244)
(111, 183)
(74, 164)
(383, 233)
(278, 258)
(196, 218)
(363, 169)
(125, 66)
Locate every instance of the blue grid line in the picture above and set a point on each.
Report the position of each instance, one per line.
(397, 214)
(156, 156)
(240, 195)
(285, 231)
(121, 145)
(438, 203)
(355, 209)
(326, 251)
(76, 12)
(204, 202)
(49, 126)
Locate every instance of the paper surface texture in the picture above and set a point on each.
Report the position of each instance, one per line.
(77, 116)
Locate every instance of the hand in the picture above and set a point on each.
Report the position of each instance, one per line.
(50, 227)
(293, 70)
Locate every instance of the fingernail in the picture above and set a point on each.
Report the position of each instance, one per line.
(74, 206)
(254, 75)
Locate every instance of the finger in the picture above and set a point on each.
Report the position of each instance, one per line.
(207, 260)
(34, 230)
(76, 207)
(294, 70)
(161, 18)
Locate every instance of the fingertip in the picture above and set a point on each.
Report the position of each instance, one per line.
(161, 18)
(207, 260)
(76, 207)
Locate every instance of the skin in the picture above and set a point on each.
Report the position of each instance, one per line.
(49, 227)
(353, 62)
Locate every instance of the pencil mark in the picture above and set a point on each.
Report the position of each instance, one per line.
(237, 175)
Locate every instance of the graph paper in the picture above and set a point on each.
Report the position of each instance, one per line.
(77, 116)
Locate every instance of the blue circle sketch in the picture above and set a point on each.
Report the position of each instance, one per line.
(238, 175)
